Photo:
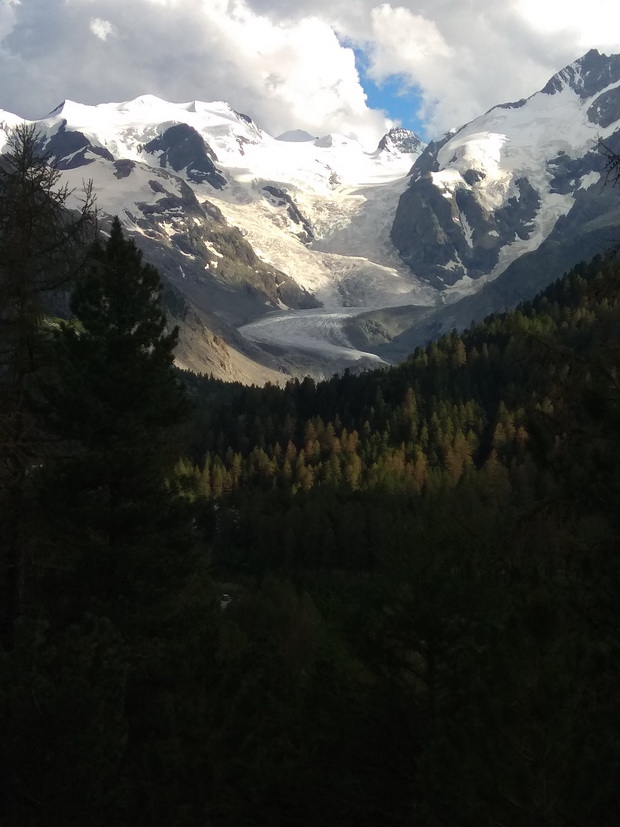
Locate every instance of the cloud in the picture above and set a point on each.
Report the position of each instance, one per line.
(463, 56)
(594, 26)
(101, 28)
(467, 58)
(292, 65)
(8, 17)
(293, 74)
(298, 75)
(405, 41)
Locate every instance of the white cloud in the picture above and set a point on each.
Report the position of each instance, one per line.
(302, 75)
(463, 59)
(596, 25)
(464, 56)
(8, 16)
(101, 28)
(285, 74)
(405, 42)
(410, 45)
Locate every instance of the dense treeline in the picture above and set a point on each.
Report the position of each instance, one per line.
(421, 565)
(467, 409)
(455, 519)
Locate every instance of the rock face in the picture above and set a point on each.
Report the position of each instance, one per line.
(204, 257)
(588, 76)
(279, 198)
(590, 228)
(182, 148)
(190, 241)
(494, 189)
(68, 149)
(446, 238)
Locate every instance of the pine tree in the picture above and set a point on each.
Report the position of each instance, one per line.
(117, 402)
(120, 536)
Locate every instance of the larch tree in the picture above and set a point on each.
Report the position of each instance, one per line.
(43, 249)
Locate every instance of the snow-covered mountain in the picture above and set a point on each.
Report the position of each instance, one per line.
(241, 223)
(504, 205)
(495, 188)
(306, 253)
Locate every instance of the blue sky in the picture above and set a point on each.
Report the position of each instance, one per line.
(395, 96)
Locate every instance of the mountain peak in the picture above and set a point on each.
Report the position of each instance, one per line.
(58, 110)
(587, 75)
(400, 140)
(144, 101)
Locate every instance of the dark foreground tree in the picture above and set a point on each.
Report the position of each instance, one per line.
(43, 248)
(121, 576)
(117, 404)
(125, 529)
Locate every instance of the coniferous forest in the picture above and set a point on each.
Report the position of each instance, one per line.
(385, 599)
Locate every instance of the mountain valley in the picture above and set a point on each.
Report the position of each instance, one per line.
(231, 594)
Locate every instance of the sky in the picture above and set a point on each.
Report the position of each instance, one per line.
(356, 67)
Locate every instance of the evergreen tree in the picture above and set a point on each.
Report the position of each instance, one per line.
(42, 250)
(117, 403)
(120, 541)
